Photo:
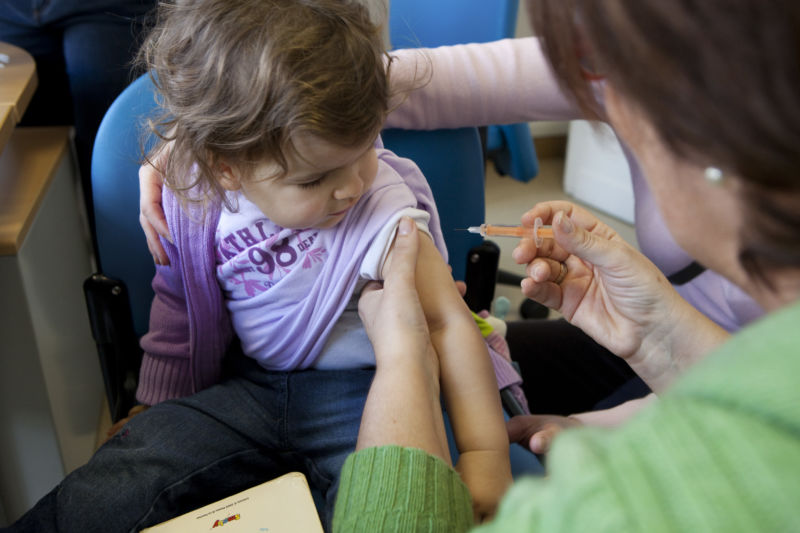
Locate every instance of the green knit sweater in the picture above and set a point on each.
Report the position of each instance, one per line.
(719, 452)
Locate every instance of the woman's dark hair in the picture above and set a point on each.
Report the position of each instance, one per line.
(718, 79)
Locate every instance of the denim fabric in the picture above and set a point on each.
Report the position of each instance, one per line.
(83, 51)
(182, 454)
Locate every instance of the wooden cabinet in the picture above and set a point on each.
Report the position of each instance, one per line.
(51, 389)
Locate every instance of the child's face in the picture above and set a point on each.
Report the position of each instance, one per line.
(323, 181)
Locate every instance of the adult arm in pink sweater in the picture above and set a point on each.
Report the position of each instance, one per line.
(502, 82)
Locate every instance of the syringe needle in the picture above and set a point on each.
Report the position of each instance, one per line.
(537, 232)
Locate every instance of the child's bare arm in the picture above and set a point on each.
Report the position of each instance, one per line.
(468, 382)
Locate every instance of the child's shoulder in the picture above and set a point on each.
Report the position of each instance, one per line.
(193, 211)
(393, 168)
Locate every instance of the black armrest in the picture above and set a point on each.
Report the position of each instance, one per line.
(117, 345)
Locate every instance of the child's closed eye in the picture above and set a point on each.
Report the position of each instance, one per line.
(311, 184)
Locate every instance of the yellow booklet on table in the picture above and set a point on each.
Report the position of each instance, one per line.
(283, 505)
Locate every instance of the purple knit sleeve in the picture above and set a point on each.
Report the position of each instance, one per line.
(166, 365)
(189, 325)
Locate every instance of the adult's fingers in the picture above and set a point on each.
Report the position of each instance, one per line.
(587, 245)
(461, 287)
(399, 276)
(403, 263)
(544, 269)
(153, 243)
(527, 250)
(150, 185)
(547, 294)
(368, 301)
(541, 441)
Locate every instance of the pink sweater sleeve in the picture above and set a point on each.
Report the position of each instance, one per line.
(501, 82)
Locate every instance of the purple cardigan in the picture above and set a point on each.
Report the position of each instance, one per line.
(190, 328)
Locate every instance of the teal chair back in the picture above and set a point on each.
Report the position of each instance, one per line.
(121, 246)
(432, 23)
(451, 160)
(119, 295)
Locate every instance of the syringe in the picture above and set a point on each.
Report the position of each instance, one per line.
(538, 232)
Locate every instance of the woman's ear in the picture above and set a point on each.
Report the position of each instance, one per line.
(228, 177)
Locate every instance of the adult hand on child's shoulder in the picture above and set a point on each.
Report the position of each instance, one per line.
(151, 212)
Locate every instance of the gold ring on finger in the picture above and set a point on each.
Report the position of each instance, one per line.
(561, 275)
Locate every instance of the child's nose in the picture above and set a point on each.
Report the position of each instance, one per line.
(352, 186)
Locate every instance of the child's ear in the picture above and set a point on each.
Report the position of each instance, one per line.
(228, 177)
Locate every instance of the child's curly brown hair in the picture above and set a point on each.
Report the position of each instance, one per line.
(238, 78)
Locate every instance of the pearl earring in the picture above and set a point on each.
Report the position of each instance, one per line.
(713, 175)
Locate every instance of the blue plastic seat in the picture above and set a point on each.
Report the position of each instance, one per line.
(126, 266)
(432, 23)
(451, 160)
(121, 245)
(122, 248)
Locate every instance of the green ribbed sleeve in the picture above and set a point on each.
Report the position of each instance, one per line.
(719, 452)
(396, 489)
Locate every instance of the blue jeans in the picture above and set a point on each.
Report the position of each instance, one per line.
(183, 454)
(83, 51)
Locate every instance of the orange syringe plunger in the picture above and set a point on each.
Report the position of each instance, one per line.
(538, 232)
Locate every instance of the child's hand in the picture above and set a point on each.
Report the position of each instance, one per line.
(487, 474)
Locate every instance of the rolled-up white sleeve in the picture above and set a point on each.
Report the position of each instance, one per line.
(372, 266)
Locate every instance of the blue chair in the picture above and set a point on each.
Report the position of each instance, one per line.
(452, 162)
(119, 296)
(122, 247)
(431, 23)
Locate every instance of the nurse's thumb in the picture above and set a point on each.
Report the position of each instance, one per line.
(403, 259)
(579, 242)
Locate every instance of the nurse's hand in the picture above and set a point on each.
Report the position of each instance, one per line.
(403, 405)
(391, 311)
(151, 213)
(600, 283)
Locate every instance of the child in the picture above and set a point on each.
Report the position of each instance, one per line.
(281, 202)
(310, 203)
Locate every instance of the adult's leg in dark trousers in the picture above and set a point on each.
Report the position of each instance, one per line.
(564, 371)
(99, 48)
(174, 457)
